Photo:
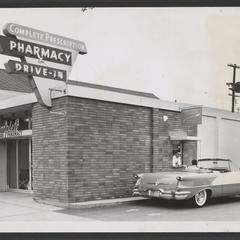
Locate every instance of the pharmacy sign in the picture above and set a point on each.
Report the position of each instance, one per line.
(43, 56)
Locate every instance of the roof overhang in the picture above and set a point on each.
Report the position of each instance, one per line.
(96, 94)
(18, 101)
(180, 135)
(91, 93)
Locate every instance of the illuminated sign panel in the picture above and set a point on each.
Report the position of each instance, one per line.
(18, 48)
(36, 70)
(12, 29)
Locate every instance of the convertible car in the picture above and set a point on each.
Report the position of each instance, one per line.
(210, 178)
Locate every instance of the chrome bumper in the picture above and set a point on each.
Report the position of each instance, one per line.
(176, 195)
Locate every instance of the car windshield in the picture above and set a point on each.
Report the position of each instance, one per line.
(215, 164)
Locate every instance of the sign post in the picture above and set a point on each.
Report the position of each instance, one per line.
(234, 66)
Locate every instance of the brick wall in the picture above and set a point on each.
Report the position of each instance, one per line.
(108, 143)
(49, 156)
(93, 151)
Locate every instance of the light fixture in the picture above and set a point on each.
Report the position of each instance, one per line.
(165, 118)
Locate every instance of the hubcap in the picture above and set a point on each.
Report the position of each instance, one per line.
(201, 198)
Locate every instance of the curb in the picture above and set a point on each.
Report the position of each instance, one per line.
(89, 204)
(102, 203)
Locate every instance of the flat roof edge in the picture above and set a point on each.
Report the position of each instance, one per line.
(117, 97)
(95, 94)
(224, 114)
(112, 89)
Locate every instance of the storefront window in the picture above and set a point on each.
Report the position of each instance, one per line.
(21, 123)
(13, 129)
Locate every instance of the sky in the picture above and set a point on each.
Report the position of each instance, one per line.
(176, 53)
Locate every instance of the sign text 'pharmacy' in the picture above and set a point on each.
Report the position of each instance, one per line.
(19, 48)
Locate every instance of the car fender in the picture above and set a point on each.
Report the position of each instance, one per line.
(196, 189)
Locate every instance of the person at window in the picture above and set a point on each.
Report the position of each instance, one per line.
(177, 161)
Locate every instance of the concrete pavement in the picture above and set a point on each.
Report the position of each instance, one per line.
(21, 207)
(20, 213)
(16, 206)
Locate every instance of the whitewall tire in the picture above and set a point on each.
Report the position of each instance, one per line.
(200, 198)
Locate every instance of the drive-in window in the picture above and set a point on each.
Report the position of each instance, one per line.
(177, 154)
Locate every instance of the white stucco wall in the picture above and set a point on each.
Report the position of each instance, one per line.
(207, 133)
(230, 140)
(219, 135)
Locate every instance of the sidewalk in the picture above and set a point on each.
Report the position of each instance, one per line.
(21, 207)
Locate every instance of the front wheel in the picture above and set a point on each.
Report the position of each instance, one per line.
(199, 199)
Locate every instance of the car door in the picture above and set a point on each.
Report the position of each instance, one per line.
(231, 183)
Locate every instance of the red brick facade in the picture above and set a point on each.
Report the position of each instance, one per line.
(93, 151)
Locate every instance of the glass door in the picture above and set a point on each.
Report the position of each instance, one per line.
(19, 164)
(11, 164)
(23, 164)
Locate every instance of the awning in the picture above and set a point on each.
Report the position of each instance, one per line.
(180, 135)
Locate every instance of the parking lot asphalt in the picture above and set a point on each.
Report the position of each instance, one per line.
(222, 209)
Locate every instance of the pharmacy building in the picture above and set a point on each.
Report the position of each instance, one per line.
(94, 139)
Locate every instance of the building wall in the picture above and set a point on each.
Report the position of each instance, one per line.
(108, 143)
(49, 156)
(230, 140)
(94, 150)
(208, 134)
(219, 134)
(162, 144)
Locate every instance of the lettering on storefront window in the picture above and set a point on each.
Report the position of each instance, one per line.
(10, 129)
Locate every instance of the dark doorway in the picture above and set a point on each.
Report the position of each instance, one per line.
(23, 164)
(18, 164)
(11, 164)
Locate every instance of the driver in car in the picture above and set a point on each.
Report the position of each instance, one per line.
(194, 165)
